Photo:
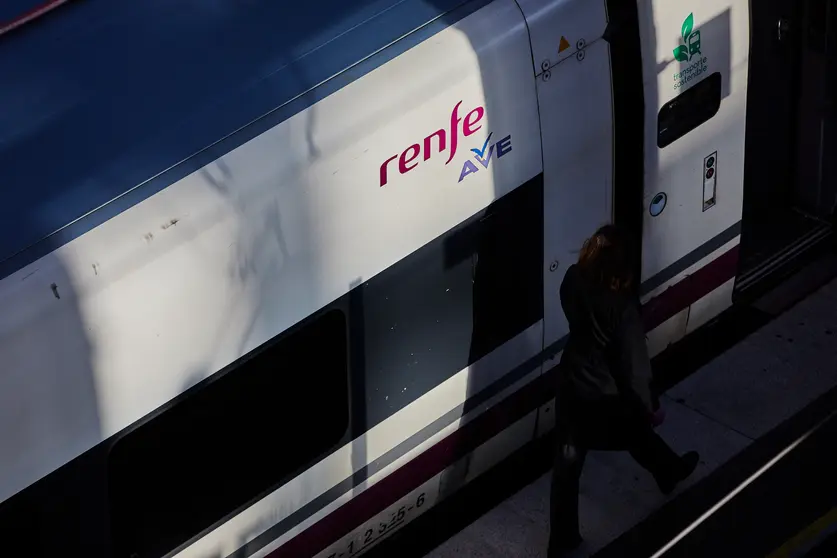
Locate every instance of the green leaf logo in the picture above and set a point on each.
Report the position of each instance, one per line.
(688, 25)
(682, 52)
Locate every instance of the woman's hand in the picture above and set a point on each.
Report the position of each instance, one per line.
(658, 417)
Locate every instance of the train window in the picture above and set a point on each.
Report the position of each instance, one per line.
(447, 304)
(230, 441)
(689, 110)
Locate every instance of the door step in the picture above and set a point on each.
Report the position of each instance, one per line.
(784, 260)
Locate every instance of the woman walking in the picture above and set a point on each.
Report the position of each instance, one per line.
(604, 399)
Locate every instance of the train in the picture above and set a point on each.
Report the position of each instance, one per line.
(276, 280)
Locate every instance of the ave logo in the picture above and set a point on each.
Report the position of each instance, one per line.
(443, 140)
(501, 148)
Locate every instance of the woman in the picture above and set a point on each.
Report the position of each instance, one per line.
(604, 399)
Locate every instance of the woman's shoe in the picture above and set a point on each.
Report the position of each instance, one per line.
(690, 461)
(562, 545)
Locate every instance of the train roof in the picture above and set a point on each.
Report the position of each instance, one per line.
(104, 103)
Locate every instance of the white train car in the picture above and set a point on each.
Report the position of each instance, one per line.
(277, 280)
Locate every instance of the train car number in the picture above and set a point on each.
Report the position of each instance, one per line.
(385, 523)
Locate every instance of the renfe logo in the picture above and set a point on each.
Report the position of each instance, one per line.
(407, 161)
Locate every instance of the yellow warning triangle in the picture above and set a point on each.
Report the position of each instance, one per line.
(563, 45)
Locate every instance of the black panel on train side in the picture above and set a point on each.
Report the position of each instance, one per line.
(449, 303)
(231, 440)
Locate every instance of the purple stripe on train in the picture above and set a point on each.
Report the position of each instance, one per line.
(16, 12)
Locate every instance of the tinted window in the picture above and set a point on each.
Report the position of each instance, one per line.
(689, 110)
(231, 440)
(448, 304)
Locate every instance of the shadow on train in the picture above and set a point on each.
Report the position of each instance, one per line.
(49, 408)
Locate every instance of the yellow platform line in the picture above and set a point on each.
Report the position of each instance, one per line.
(804, 536)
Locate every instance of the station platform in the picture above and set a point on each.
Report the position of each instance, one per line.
(761, 416)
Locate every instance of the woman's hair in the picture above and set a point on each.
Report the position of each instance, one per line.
(606, 259)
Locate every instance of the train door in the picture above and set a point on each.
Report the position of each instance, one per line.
(572, 73)
(694, 71)
(790, 185)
